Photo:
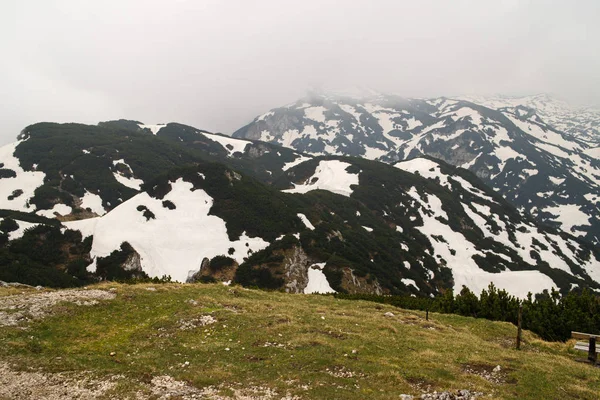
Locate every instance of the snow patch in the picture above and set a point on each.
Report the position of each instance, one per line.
(153, 128)
(60, 209)
(458, 253)
(329, 175)
(19, 232)
(288, 137)
(317, 281)
(93, 202)
(306, 222)
(237, 145)
(299, 160)
(569, 215)
(552, 149)
(27, 181)
(130, 182)
(265, 116)
(465, 112)
(315, 113)
(593, 152)
(352, 111)
(265, 136)
(425, 168)
(373, 153)
(409, 282)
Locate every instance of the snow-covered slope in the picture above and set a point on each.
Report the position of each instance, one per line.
(551, 174)
(17, 186)
(469, 228)
(579, 122)
(173, 242)
(523, 239)
(72, 170)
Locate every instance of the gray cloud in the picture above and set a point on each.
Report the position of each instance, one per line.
(217, 64)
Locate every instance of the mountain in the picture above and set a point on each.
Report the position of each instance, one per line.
(143, 201)
(76, 167)
(551, 174)
(582, 123)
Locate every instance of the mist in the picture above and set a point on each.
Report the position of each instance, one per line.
(217, 64)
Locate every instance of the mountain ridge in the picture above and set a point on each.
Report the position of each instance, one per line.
(418, 227)
(541, 170)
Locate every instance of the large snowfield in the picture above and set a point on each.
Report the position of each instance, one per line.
(176, 241)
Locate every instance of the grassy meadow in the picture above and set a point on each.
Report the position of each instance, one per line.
(300, 346)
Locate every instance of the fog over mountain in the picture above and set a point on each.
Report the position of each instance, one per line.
(217, 64)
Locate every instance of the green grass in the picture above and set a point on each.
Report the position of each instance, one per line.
(312, 335)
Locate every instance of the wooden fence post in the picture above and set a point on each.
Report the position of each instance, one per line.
(592, 357)
(519, 327)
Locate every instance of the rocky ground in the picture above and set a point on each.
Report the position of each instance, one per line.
(62, 386)
(17, 309)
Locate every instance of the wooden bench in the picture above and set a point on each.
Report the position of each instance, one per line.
(590, 346)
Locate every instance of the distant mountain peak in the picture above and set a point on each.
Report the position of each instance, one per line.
(542, 156)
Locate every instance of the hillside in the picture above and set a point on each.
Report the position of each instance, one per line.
(75, 167)
(215, 342)
(516, 150)
(203, 213)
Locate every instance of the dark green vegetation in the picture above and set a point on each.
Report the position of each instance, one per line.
(219, 262)
(78, 158)
(550, 315)
(7, 173)
(311, 347)
(28, 217)
(45, 256)
(111, 267)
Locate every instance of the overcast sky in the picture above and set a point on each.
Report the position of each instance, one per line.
(217, 64)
